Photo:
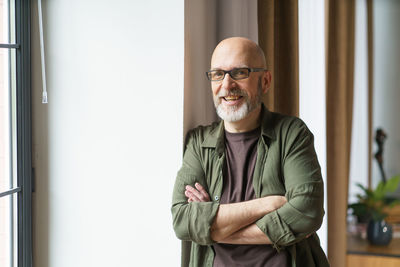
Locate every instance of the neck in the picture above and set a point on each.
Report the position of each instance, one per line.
(250, 122)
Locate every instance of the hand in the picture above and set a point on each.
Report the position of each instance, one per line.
(198, 194)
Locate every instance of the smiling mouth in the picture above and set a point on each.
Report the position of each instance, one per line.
(232, 97)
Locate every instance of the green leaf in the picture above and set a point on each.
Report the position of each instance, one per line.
(392, 184)
(371, 204)
(370, 194)
(362, 187)
(379, 192)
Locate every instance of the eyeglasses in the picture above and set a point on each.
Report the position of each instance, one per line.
(236, 74)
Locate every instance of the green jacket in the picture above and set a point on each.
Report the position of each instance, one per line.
(286, 165)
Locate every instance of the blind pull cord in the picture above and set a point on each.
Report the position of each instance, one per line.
(44, 90)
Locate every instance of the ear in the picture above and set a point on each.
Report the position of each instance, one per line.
(266, 81)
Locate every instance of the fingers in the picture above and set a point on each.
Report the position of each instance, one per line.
(198, 194)
(202, 191)
(194, 194)
(191, 195)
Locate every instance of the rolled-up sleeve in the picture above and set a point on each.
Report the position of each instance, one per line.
(192, 221)
(303, 213)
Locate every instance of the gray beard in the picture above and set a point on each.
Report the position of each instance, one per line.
(234, 113)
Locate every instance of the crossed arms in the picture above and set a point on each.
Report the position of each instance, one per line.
(234, 223)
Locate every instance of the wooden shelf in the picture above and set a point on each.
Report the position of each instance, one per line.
(361, 254)
(357, 245)
(354, 260)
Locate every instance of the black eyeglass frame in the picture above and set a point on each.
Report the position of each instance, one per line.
(235, 69)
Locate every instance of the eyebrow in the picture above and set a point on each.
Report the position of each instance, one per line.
(237, 67)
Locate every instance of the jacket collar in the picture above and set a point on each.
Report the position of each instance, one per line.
(215, 139)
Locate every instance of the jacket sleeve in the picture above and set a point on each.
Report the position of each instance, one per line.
(303, 213)
(192, 221)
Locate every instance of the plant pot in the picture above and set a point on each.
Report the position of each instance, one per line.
(379, 233)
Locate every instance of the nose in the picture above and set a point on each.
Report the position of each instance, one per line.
(228, 82)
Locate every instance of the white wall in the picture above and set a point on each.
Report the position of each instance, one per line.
(386, 108)
(109, 143)
(312, 85)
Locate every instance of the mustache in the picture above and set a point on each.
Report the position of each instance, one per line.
(232, 92)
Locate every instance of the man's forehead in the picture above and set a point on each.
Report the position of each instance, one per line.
(232, 62)
(231, 58)
(235, 54)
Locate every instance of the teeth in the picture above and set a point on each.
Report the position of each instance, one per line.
(232, 97)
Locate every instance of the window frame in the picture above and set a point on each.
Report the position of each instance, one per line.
(24, 131)
(23, 189)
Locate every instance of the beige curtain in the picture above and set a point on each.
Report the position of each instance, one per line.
(339, 105)
(200, 40)
(278, 37)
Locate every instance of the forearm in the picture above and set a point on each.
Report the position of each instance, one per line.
(249, 235)
(231, 218)
(301, 216)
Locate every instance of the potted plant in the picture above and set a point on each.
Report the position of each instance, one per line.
(370, 208)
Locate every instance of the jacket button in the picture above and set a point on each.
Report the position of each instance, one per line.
(216, 197)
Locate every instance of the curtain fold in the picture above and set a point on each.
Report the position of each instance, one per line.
(278, 37)
(339, 105)
(200, 41)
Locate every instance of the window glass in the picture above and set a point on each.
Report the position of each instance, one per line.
(7, 22)
(8, 231)
(7, 119)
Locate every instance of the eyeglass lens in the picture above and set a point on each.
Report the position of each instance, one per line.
(236, 74)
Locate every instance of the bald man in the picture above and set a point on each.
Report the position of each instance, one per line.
(249, 192)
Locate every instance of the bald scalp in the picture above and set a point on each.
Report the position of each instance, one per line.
(250, 53)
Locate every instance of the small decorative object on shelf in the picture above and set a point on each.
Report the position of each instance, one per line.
(379, 232)
(372, 204)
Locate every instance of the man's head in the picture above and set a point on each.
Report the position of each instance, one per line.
(236, 99)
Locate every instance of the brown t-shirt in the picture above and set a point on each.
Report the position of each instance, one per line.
(241, 155)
